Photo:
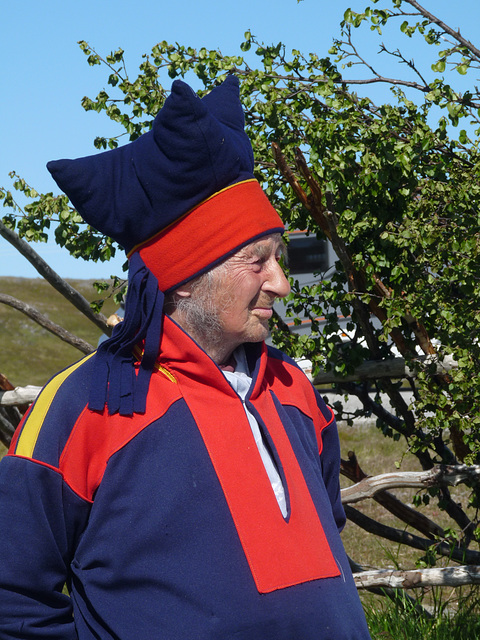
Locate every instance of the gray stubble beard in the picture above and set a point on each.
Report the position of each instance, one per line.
(200, 312)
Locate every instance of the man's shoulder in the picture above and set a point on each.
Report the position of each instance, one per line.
(61, 432)
(282, 370)
(290, 382)
(278, 358)
(48, 423)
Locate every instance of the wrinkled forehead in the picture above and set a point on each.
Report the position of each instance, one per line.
(264, 246)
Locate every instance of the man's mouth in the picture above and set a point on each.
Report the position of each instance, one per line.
(264, 312)
(262, 308)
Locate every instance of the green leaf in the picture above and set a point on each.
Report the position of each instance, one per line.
(439, 66)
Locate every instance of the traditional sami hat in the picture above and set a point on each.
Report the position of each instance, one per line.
(179, 199)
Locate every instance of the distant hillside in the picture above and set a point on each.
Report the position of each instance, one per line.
(28, 353)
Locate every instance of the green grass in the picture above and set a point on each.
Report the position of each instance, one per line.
(389, 622)
(29, 354)
(377, 454)
(455, 612)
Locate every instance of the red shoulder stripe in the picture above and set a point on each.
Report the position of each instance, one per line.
(97, 436)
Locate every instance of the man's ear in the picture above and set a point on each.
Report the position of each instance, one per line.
(184, 291)
(172, 298)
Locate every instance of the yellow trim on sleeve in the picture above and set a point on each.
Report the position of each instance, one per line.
(138, 353)
(166, 373)
(31, 429)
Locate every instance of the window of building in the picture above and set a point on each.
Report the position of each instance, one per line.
(307, 254)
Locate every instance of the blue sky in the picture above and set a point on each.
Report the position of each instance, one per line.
(44, 74)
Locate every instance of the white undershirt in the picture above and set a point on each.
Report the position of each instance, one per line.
(241, 382)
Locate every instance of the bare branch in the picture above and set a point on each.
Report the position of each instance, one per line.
(53, 278)
(19, 396)
(7, 429)
(441, 576)
(458, 554)
(47, 324)
(393, 368)
(412, 517)
(398, 596)
(451, 32)
(440, 475)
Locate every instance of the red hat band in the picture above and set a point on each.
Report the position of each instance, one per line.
(209, 233)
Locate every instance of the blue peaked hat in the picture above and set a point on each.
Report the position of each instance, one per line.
(179, 199)
(196, 147)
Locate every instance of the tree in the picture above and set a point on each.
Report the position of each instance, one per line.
(393, 186)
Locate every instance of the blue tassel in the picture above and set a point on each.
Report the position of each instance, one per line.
(114, 381)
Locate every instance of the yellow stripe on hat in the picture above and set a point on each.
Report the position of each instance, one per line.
(175, 222)
(31, 429)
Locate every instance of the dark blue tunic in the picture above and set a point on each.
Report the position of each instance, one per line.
(164, 525)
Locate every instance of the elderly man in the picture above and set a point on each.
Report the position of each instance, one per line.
(181, 482)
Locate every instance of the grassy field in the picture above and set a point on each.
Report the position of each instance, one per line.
(31, 355)
(388, 622)
(455, 612)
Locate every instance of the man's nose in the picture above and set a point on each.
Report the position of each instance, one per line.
(278, 282)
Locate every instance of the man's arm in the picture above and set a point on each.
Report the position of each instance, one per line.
(38, 517)
(330, 459)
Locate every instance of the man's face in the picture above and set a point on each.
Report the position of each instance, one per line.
(246, 289)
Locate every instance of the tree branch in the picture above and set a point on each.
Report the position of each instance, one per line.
(7, 429)
(53, 278)
(19, 396)
(438, 476)
(412, 517)
(398, 596)
(451, 32)
(47, 324)
(459, 554)
(392, 368)
(441, 576)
